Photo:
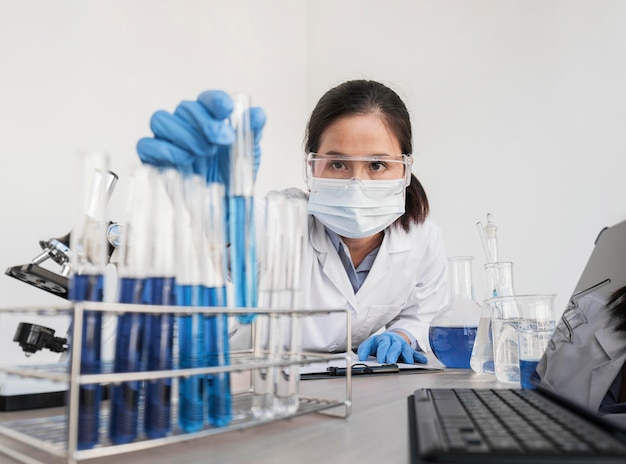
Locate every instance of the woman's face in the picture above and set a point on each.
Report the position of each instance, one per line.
(359, 136)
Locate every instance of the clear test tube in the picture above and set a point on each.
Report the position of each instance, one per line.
(290, 344)
(89, 251)
(266, 326)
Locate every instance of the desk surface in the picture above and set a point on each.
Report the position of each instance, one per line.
(376, 431)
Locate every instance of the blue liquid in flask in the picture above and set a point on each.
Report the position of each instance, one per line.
(84, 287)
(453, 345)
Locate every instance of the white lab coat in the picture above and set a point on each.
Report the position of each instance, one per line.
(404, 289)
(584, 369)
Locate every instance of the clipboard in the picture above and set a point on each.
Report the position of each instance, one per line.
(337, 368)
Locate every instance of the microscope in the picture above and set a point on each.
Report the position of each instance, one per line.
(33, 337)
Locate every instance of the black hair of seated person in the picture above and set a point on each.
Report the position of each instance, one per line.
(617, 305)
(363, 97)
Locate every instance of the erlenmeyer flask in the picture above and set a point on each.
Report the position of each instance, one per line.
(453, 330)
(499, 283)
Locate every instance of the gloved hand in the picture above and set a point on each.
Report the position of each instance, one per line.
(197, 137)
(389, 348)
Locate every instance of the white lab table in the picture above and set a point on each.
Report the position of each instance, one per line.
(376, 431)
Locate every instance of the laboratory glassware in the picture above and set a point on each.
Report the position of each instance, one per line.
(532, 345)
(241, 210)
(190, 291)
(499, 283)
(219, 399)
(510, 314)
(136, 246)
(88, 261)
(272, 286)
(160, 286)
(295, 229)
(453, 329)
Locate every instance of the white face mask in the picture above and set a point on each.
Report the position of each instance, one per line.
(356, 208)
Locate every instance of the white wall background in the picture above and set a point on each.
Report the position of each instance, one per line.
(519, 107)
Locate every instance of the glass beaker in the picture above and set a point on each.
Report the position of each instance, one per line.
(508, 315)
(499, 283)
(453, 330)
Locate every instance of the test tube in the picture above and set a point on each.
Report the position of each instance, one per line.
(295, 226)
(241, 210)
(88, 259)
(267, 325)
(190, 291)
(216, 326)
(160, 327)
(132, 267)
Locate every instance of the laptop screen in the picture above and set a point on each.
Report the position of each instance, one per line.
(585, 359)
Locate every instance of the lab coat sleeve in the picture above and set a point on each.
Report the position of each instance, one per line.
(427, 294)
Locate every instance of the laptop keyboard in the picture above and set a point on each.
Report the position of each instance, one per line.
(512, 421)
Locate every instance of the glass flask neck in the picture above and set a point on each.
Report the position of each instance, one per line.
(460, 273)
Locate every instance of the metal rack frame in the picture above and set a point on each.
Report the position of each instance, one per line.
(57, 436)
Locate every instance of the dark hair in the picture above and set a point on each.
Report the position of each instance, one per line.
(370, 97)
(617, 303)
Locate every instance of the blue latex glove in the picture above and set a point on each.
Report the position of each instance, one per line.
(389, 348)
(197, 137)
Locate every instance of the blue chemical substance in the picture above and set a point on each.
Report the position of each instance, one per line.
(216, 333)
(158, 340)
(128, 358)
(527, 370)
(192, 354)
(243, 254)
(453, 345)
(89, 288)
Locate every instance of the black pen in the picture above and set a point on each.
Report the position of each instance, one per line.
(361, 369)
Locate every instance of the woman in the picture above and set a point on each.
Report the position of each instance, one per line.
(373, 249)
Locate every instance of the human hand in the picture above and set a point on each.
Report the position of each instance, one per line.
(197, 137)
(389, 348)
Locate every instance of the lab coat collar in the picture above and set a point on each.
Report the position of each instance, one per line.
(603, 374)
(330, 262)
(395, 241)
(613, 343)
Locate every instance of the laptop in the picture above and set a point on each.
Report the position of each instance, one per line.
(576, 411)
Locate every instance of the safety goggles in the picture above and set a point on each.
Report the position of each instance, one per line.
(374, 167)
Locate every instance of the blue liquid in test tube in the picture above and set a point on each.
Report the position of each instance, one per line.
(243, 255)
(89, 288)
(158, 337)
(88, 262)
(128, 358)
(216, 332)
(241, 210)
(192, 354)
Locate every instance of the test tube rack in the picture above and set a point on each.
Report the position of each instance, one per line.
(48, 439)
